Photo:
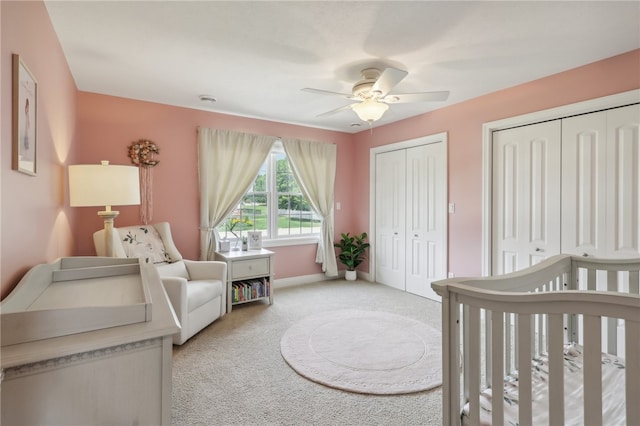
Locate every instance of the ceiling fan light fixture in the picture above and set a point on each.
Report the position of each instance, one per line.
(370, 110)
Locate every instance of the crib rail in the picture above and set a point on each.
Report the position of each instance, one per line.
(533, 312)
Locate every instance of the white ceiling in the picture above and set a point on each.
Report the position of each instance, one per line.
(254, 57)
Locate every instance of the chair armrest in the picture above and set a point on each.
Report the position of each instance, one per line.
(176, 289)
(206, 270)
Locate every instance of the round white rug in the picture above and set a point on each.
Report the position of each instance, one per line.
(365, 351)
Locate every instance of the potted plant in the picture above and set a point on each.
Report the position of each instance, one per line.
(352, 252)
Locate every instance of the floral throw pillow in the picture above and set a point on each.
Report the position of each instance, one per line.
(144, 242)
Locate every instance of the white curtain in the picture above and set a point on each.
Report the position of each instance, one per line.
(314, 167)
(228, 162)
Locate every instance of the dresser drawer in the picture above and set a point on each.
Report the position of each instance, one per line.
(249, 268)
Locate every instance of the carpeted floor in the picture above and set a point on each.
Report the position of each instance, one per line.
(232, 373)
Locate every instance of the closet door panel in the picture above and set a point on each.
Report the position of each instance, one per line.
(426, 208)
(390, 218)
(526, 196)
(584, 152)
(600, 183)
(623, 182)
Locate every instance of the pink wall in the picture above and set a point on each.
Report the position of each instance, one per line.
(464, 121)
(35, 225)
(107, 125)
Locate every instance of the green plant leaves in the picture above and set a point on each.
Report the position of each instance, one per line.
(353, 249)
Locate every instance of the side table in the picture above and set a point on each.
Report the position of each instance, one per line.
(249, 276)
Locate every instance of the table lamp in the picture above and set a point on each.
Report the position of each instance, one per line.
(106, 185)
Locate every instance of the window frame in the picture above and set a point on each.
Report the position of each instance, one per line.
(272, 204)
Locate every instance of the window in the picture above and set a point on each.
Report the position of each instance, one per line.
(273, 205)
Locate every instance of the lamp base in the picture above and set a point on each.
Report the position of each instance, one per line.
(108, 216)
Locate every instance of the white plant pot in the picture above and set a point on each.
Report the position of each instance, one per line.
(350, 275)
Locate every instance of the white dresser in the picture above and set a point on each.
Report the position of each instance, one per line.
(87, 340)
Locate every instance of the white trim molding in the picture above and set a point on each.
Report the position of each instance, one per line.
(315, 278)
(593, 105)
(302, 279)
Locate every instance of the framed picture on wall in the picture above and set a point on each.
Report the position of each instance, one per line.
(254, 240)
(24, 119)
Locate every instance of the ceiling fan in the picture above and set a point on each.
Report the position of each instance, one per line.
(371, 94)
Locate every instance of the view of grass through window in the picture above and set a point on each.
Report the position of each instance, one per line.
(273, 205)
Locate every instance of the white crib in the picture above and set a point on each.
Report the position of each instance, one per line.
(516, 334)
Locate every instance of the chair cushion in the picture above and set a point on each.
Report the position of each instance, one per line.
(201, 292)
(175, 269)
(144, 242)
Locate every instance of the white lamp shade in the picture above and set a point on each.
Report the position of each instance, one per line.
(370, 110)
(103, 185)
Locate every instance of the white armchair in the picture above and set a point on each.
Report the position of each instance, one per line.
(196, 289)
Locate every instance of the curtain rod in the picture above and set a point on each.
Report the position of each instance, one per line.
(279, 138)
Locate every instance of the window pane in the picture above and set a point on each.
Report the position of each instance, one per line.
(254, 207)
(260, 184)
(295, 217)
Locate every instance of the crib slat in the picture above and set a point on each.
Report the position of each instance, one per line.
(454, 367)
(507, 344)
(465, 354)
(497, 389)
(516, 336)
(632, 377)
(524, 370)
(592, 370)
(534, 319)
(556, 371)
(591, 280)
(573, 280)
(488, 326)
(612, 323)
(612, 280)
(612, 336)
(541, 334)
(634, 282)
(474, 365)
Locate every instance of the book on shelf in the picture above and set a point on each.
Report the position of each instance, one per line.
(246, 290)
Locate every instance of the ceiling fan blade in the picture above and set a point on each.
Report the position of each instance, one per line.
(417, 97)
(388, 80)
(335, 111)
(327, 92)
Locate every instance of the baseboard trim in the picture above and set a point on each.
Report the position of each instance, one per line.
(364, 276)
(302, 279)
(314, 278)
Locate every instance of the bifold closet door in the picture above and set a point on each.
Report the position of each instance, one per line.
(411, 208)
(390, 218)
(601, 184)
(526, 196)
(425, 218)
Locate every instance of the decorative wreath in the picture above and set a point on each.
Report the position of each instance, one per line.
(141, 153)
